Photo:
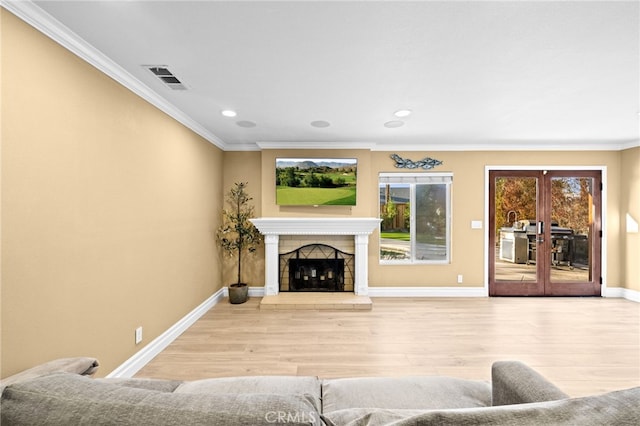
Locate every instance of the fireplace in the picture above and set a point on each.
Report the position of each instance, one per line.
(360, 228)
(316, 268)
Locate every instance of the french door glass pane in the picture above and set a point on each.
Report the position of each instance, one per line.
(571, 228)
(515, 221)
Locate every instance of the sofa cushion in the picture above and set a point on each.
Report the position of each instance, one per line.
(404, 393)
(64, 399)
(285, 385)
(159, 385)
(513, 382)
(279, 385)
(620, 408)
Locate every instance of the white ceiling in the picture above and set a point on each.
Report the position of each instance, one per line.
(476, 74)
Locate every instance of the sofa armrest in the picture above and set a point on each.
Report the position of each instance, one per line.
(85, 366)
(513, 382)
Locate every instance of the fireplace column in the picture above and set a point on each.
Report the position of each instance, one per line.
(361, 284)
(271, 264)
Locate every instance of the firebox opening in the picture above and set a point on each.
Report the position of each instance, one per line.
(316, 268)
(316, 274)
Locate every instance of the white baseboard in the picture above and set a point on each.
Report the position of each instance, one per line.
(617, 292)
(256, 291)
(253, 291)
(146, 354)
(427, 292)
(624, 293)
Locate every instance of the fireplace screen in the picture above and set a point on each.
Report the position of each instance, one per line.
(316, 267)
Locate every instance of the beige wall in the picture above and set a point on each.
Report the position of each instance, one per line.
(630, 204)
(468, 169)
(108, 210)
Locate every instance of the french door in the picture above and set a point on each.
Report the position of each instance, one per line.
(545, 233)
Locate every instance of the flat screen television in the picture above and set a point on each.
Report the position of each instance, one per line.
(316, 181)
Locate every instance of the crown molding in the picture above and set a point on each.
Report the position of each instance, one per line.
(315, 145)
(30, 13)
(448, 145)
(247, 146)
(629, 145)
(515, 145)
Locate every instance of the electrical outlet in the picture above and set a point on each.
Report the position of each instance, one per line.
(138, 335)
(460, 279)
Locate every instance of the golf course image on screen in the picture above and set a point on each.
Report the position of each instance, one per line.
(316, 181)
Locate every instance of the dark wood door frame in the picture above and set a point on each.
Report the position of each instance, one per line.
(543, 286)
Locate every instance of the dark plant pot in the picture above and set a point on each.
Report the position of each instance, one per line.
(238, 293)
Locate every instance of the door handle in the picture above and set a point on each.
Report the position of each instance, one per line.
(540, 238)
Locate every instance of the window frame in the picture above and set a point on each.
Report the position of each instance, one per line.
(414, 179)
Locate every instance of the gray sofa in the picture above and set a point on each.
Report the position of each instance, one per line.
(63, 392)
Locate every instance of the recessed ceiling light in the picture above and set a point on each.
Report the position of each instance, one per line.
(402, 113)
(320, 123)
(245, 123)
(228, 113)
(394, 123)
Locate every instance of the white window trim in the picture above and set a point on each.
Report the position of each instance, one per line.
(426, 177)
(422, 178)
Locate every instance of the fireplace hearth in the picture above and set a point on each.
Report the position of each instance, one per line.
(316, 268)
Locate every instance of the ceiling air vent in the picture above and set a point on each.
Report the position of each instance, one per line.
(166, 76)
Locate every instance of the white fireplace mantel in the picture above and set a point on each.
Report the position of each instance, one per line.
(273, 227)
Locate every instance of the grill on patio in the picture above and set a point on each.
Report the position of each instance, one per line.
(519, 245)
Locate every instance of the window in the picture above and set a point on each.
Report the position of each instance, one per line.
(415, 209)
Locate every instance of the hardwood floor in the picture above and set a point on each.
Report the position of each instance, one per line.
(584, 345)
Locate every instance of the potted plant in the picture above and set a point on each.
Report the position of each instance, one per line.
(237, 235)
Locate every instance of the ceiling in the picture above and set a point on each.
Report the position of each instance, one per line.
(475, 74)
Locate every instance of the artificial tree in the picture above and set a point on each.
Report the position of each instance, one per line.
(237, 235)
